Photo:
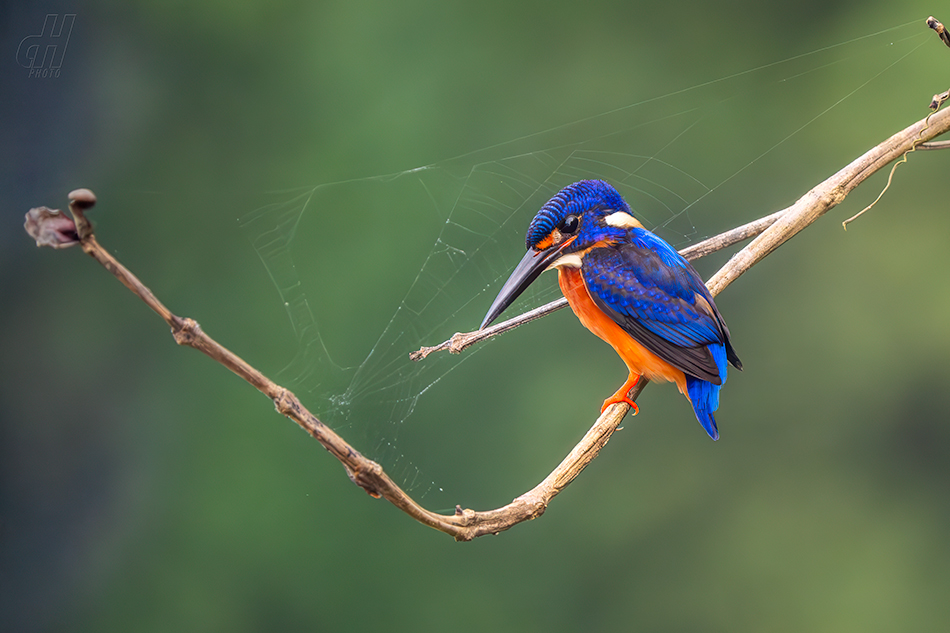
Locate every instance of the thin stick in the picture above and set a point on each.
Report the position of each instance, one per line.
(465, 525)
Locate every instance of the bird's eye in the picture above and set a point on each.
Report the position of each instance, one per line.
(569, 224)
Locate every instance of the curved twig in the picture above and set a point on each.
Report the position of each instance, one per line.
(48, 228)
(828, 195)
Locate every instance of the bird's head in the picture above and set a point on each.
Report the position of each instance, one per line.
(579, 217)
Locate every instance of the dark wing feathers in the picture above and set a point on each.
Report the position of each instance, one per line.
(651, 292)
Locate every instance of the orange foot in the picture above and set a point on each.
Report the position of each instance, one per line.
(621, 395)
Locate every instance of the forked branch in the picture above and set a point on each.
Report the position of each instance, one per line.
(51, 228)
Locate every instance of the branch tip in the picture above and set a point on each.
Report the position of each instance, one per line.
(937, 26)
(83, 199)
(80, 201)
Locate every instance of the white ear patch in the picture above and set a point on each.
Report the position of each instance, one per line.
(623, 220)
(568, 261)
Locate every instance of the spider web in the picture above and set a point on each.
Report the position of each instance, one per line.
(467, 216)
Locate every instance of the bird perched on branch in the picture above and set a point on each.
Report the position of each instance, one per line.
(633, 290)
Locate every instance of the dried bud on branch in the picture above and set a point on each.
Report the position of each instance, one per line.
(51, 227)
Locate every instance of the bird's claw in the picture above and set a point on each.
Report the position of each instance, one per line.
(616, 399)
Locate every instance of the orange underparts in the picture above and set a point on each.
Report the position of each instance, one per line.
(639, 360)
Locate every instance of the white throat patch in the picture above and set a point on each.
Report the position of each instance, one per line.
(568, 261)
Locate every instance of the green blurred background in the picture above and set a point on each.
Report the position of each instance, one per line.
(146, 489)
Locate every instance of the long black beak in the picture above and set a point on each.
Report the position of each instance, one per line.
(528, 269)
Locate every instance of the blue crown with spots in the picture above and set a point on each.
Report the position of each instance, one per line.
(575, 199)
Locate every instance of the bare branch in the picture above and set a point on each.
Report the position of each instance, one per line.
(828, 195)
(464, 525)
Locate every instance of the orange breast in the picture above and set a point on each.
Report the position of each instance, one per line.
(639, 360)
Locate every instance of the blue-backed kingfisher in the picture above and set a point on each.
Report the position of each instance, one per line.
(633, 290)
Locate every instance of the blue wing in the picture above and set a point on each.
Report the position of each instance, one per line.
(657, 297)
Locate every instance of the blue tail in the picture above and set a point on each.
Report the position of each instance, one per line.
(705, 396)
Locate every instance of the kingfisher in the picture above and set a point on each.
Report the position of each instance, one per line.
(633, 290)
